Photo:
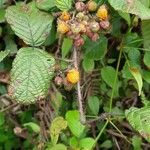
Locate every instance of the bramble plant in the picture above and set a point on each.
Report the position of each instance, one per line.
(74, 74)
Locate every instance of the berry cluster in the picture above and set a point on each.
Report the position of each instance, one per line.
(88, 19)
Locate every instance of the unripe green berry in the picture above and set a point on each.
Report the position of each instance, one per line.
(80, 16)
(75, 28)
(91, 5)
(94, 26)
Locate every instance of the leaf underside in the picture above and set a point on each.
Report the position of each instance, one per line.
(28, 23)
(135, 7)
(140, 120)
(30, 75)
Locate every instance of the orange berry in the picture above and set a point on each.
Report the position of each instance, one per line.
(62, 27)
(65, 16)
(102, 13)
(73, 76)
(91, 5)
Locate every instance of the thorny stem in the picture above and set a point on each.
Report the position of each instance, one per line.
(82, 116)
(59, 45)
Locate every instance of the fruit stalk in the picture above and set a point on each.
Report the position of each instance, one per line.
(82, 116)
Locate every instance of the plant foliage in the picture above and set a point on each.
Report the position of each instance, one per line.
(74, 74)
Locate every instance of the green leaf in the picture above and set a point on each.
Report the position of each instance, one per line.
(1, 29)
(108, 75)
(88, 64)
(3, 3)
(87, 143)
(125, 16)
(2, 119)
(45, 4)
(106, 144)
(146, 33)
(3, 137)
(146, 76)
(35, 127)
(116, 24)
(147, 59)
(30, 24)
(73, 142)
(52, 36)
(58, 147)
(10, 44)
(30, 75)
(136, 142)
(117, 111)
(74, 124)
(146, 3)
(126, 71)
(138, 77)
(96, 50)
(66, 46)
(56, 101)
(3, 89)
(57, 125)
(134, 57)
(135, 7)
(139, 119)
(131, 41)
(94, 104)
(3, 54)
(2, 15)
(63, 4)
